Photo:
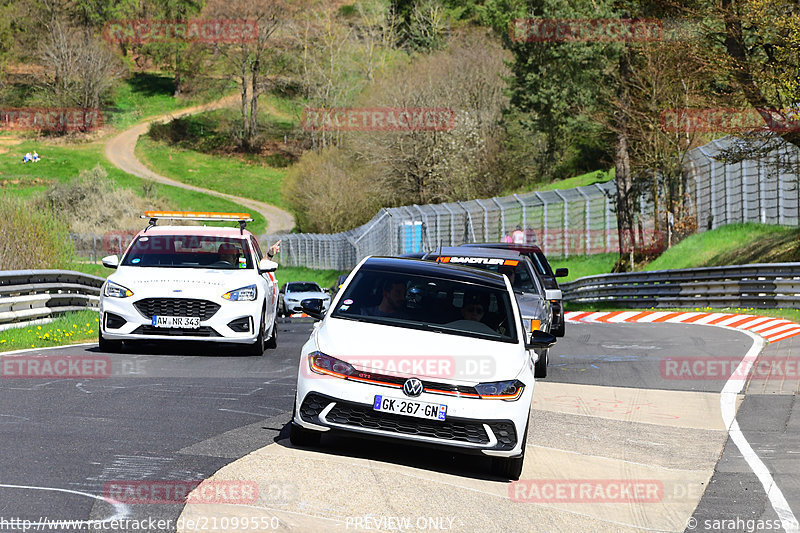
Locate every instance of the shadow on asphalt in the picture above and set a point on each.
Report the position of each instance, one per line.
(399, 453)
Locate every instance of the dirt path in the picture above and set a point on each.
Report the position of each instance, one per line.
(120, 151)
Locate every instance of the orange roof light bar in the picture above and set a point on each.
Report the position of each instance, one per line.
(197, 215)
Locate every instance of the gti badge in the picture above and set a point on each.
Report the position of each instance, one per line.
(412, 387)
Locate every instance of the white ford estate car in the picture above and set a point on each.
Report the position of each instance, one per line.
(422, 352)
(192, 283)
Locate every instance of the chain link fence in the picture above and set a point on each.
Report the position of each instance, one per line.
(577, 221)
(752, 190)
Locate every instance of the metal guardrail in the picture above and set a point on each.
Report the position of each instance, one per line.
(27, 295)
(762, 286)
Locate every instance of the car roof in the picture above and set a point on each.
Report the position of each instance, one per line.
(433, 269)
(204, 231)
(472, 251)
(522, 248)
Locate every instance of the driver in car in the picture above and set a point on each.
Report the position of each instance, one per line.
(227, 252)
(474, 307)
(393, 301)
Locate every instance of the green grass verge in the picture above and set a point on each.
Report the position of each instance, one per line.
(734, 244)
(583, 265)
(69, 328)
(590, 178)
(63, 162)
(324, 278)
(241, 176)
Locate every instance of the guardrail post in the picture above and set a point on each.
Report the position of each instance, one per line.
(485, 221)
(588, 220)
(502, 216)
(545, 229)
(452, 224)
(565, 223)
(524, 214)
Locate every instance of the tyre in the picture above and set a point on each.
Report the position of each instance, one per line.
(300, 436)
(559, 329)
(508, 467)
(272, 342)
(540, 368)
(257, 348)
(511, 467)
(106, 345)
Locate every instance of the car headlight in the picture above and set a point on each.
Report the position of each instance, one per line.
(245, 294)
(113, 290)
(321, 363)
(501, 390)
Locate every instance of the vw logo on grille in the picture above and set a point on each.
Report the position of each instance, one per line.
(412, 387)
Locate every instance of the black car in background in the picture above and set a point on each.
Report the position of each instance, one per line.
(545, 272)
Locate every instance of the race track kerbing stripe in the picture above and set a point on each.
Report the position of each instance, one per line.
(769, 328)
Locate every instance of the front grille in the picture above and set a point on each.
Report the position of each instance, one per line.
(176, 307)
(432, 387)
(359, 416)
(202, 331)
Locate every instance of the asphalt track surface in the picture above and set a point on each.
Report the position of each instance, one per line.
(608, 413)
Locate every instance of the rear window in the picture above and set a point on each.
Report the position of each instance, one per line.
(522, 279)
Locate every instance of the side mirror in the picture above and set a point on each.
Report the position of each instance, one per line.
(553, 294)
(313, 308)
(562, 272)
(111, 261)
(540, 339)
(326, 290)
(265, 265)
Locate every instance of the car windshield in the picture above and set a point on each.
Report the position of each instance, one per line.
(303, 287)
(517, 271)
(188, 251)
(427, 303)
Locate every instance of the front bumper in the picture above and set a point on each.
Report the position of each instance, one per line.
(121, 320)
(488, 427)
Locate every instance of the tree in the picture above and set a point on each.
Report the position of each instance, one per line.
(343, 55)
(255, 55)
(81, 68)
(450, 164)
(175, 54)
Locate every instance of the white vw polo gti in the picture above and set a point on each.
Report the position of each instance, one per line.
(426, 353)
(191, 283)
